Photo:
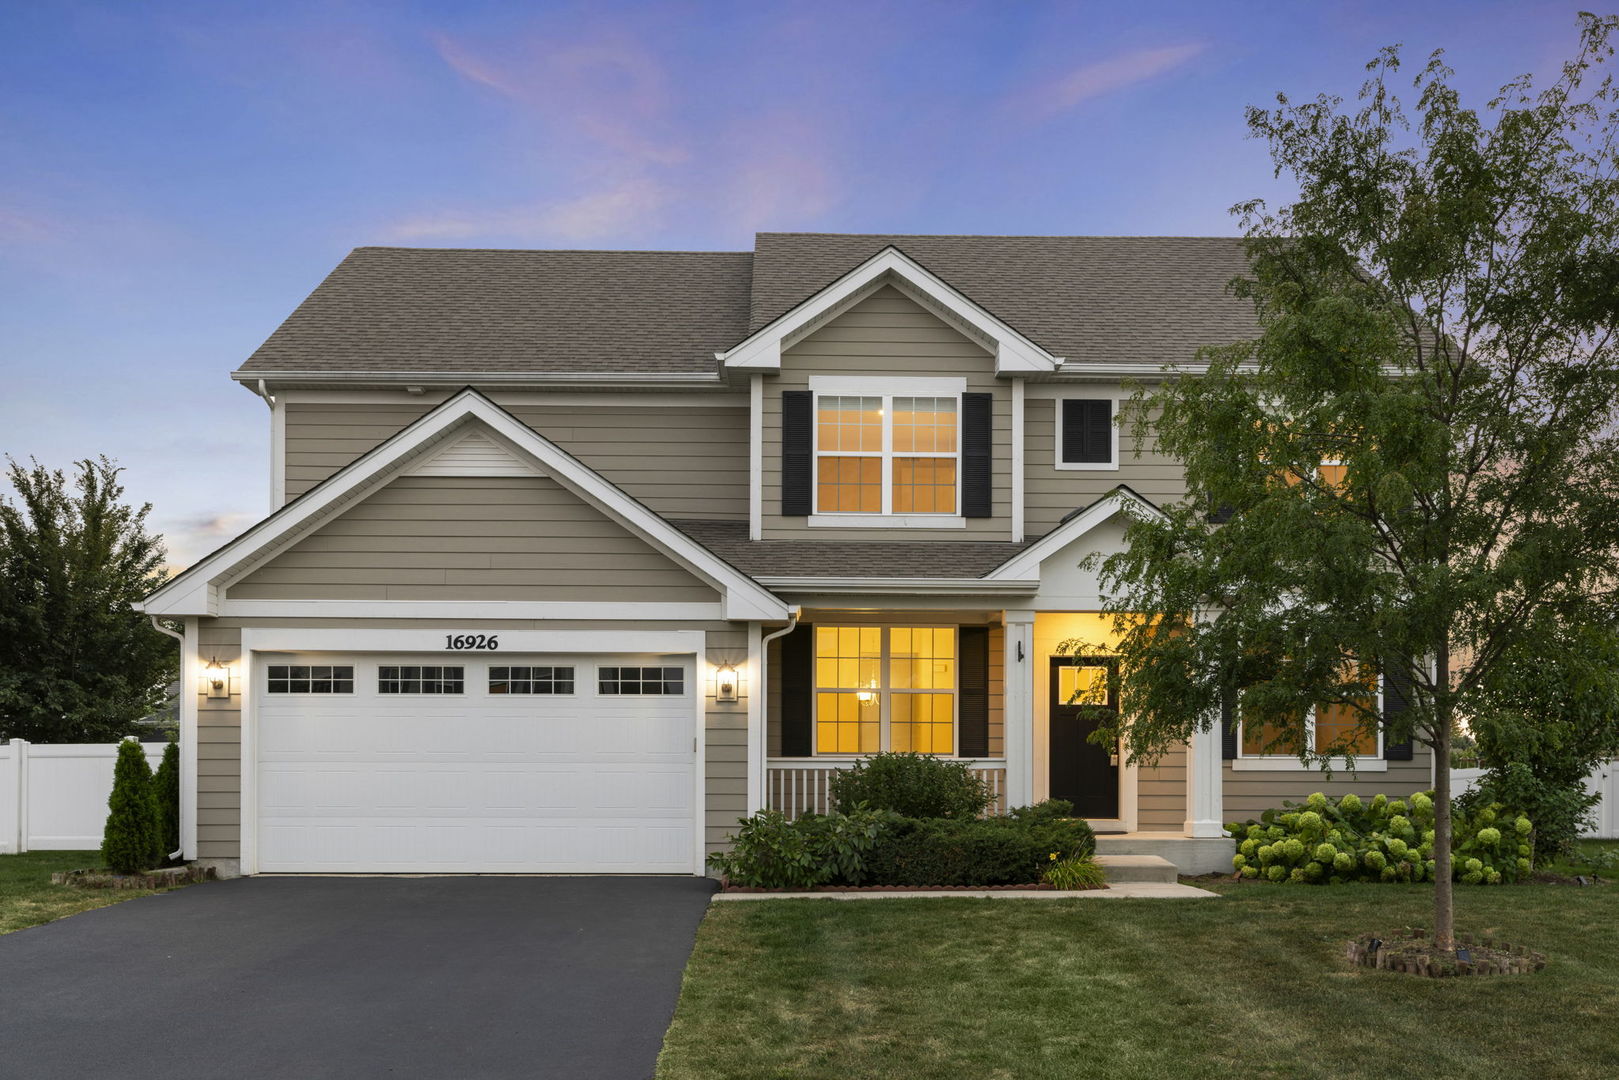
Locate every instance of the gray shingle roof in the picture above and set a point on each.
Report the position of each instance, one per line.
(1085, 298)
(456, 310)
(847, 558)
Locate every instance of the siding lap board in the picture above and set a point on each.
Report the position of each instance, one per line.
(473, 538)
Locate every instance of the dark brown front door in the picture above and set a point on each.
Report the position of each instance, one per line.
(1085, 774)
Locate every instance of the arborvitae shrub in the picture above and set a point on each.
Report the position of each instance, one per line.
(167, 788)
(131, 840)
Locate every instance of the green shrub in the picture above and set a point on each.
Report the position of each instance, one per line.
(1560, 810)
(166, 786)
(1081, 873)
(771, 852)
(1005, 850)
(1381, 840)
(131, 839)
(913, 785)
(878, 847)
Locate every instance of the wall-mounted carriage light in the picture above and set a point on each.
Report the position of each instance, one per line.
(727, 683)
(216, 679)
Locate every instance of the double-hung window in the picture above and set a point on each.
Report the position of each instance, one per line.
(885, 688)
(886, 453)
(1337, 728)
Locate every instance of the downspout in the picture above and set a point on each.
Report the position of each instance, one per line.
(181, 638)
(793, 612)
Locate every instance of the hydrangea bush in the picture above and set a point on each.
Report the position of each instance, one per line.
(1327, 842)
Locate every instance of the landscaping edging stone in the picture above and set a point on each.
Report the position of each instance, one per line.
(152, 879)
(1486, 956)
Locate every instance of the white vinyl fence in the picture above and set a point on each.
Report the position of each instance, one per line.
(1604, 782)
(55, 797)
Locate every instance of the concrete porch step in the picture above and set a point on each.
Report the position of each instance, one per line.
(1136, 868)
(1191, 855)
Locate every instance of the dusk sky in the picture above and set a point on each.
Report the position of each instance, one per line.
(176, 177)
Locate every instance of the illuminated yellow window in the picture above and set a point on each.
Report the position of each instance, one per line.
(885, 688)
(894, 455)
(1338, 728)
(1082, 684)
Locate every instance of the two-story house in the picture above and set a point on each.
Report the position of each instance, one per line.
(578, 557)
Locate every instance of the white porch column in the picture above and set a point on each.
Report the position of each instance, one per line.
(1204, 776)
(753, 686)
(1019, 707)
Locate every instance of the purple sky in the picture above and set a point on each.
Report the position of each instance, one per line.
(175, 177)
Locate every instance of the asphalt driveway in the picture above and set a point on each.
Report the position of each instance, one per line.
(355, 977)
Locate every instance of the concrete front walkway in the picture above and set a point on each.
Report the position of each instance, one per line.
(1129, 890)
(475, 978)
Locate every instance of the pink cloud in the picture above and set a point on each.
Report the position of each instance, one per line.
(1058, 95)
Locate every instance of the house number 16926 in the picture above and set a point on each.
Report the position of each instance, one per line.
(488, 642)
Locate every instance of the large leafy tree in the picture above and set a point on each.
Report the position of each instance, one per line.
(1413, 469)
(77, 662)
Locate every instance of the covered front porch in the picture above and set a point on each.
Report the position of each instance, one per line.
(997, 689)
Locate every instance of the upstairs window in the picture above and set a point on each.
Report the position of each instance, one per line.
(1087, 438)
(887, 454)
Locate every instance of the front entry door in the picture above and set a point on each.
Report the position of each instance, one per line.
(1085, 774)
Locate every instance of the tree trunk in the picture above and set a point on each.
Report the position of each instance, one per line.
(1444, 908)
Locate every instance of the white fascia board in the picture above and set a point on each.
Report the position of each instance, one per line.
(902, 586)
(1013, 351)
(321, 639)
(743, 597)
(196, 596)
(1026, 563)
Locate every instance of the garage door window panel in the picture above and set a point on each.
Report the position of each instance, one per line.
(309, 679)
(531, 680)
(419, 679)
(627, 681)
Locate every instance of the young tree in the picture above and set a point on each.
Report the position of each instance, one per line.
(130, 842)
(77, 662)
(1413, 468)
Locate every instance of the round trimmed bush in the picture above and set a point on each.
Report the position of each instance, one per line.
(912, 785)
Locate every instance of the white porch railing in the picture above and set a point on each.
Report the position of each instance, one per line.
(799, 785)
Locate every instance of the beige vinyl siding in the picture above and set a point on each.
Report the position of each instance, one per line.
(997, 692)
(683, 461)
(1049, 492)
(219, 758)
(1161, 794)
(219, 749)
(888, 333)
(473, 538)
(1249, 794)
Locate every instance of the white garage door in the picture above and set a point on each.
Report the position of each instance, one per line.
(515, 764)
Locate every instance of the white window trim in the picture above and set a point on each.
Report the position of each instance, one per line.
(1113, 426)
(885, 391)
(884, 691)
(1370, 763)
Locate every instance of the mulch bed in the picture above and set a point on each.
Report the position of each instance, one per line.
(1042, 886)
(151, 879)
(1414, 953)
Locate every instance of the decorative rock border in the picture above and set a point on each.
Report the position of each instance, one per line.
(1412, 953)
(152, 879)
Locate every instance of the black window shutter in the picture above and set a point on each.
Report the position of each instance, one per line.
(1228, 729)
(1396, 699)
(1219, 514)
(797, 453)
(977, 427)
(797, 691)
(973, 689)
(1087, 431)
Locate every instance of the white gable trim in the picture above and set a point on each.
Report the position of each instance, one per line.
(196, 590)
(1013, 352)
(1025, 564)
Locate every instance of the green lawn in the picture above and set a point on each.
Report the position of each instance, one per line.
(1600, 857)
(1250, 985)
(27, 897)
